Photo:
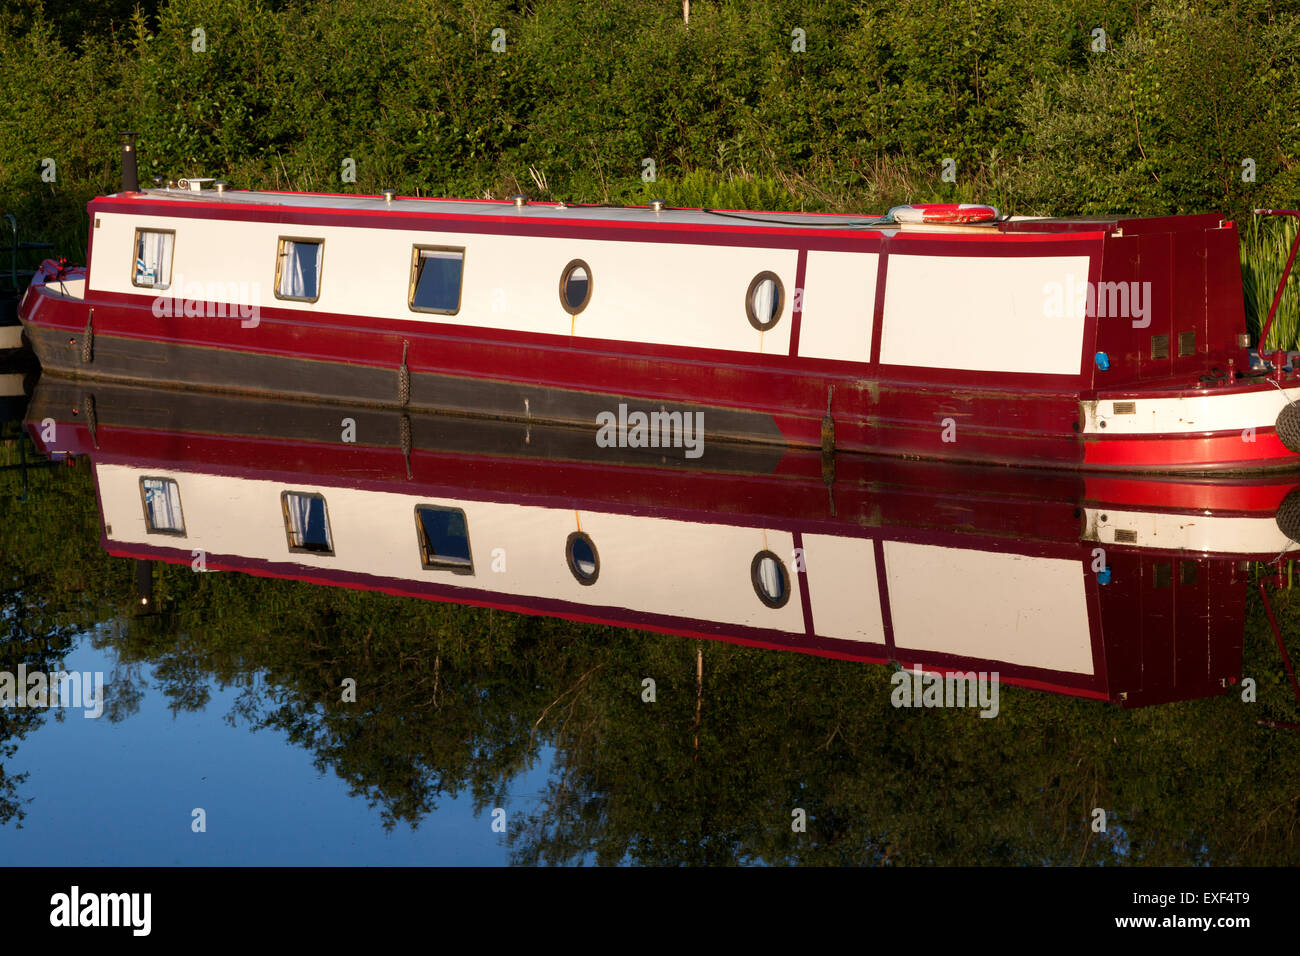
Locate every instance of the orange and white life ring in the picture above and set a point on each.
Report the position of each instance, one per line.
(947, 213)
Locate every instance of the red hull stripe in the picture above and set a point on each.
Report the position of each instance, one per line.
(1242, 499)
(568, 359)
(1218, 450)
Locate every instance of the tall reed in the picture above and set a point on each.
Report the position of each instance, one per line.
(1265, 245)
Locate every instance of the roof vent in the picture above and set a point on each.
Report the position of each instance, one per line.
(657, 205)
(520, 200)
(221, 186)
(388, 194)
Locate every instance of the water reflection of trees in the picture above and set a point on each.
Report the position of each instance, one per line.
(38, 645)
(43, 601)
(454, 700)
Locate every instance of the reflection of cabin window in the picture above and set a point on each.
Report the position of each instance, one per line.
(436, 279)
(583, 560)
(298, 269)
(770, 579)
(444, 539)
(307, 522)
(162, 506)
(153, 258)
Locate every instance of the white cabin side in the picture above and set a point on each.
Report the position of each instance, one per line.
(971, 312)
(647, 565)
(642, 292)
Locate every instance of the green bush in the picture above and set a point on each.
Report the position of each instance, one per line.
(858, 119)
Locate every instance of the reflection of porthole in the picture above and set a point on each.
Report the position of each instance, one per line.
(764, 300)
(584, 561)
(575, 286)
(770, 578)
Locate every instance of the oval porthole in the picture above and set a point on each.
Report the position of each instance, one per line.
(575, 286)
(584, 561)
(770, 579)
(764, 301)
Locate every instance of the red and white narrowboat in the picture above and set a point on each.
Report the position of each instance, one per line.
(1113, 587)
(935, 332)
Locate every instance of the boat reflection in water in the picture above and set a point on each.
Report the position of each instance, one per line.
(1116, 588)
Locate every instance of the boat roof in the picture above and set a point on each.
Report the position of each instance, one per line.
(640, 215)
(597, 212)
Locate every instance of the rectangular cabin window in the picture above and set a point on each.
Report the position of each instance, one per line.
(152, 268)
(444, 539)
(307, 522)
(161, 498)
(435, 279)
(298, 269)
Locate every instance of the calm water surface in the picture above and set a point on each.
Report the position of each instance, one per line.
(460, 642)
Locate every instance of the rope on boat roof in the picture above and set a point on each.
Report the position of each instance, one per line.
(884, 220)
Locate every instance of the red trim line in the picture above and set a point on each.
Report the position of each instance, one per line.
(796, 310)
(882, 589)
(878, 307)
(801, 558)
(1157, 451)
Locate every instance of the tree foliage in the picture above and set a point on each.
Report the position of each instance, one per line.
(858, 118)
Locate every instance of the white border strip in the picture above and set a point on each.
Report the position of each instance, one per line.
(1204, 534)
(1227, 411)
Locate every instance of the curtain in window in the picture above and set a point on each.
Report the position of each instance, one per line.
(162, 501)
(300, 271)
(299, 515)
(153, 259)
(307, 522)
(764, 301)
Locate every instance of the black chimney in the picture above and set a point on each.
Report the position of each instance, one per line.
(130, 177)
(144, 585)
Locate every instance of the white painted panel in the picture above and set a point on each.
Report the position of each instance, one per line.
(647, 564)
(996, 607)
(65, 288)
(1212, 534)
(653, 293)
(843, 587)
(1205, 413)
(839, 298)
(984, 313)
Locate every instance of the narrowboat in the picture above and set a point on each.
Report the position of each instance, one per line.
(935, 332)
(1120, 588)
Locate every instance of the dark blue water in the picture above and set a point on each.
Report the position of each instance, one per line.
(105, 793)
